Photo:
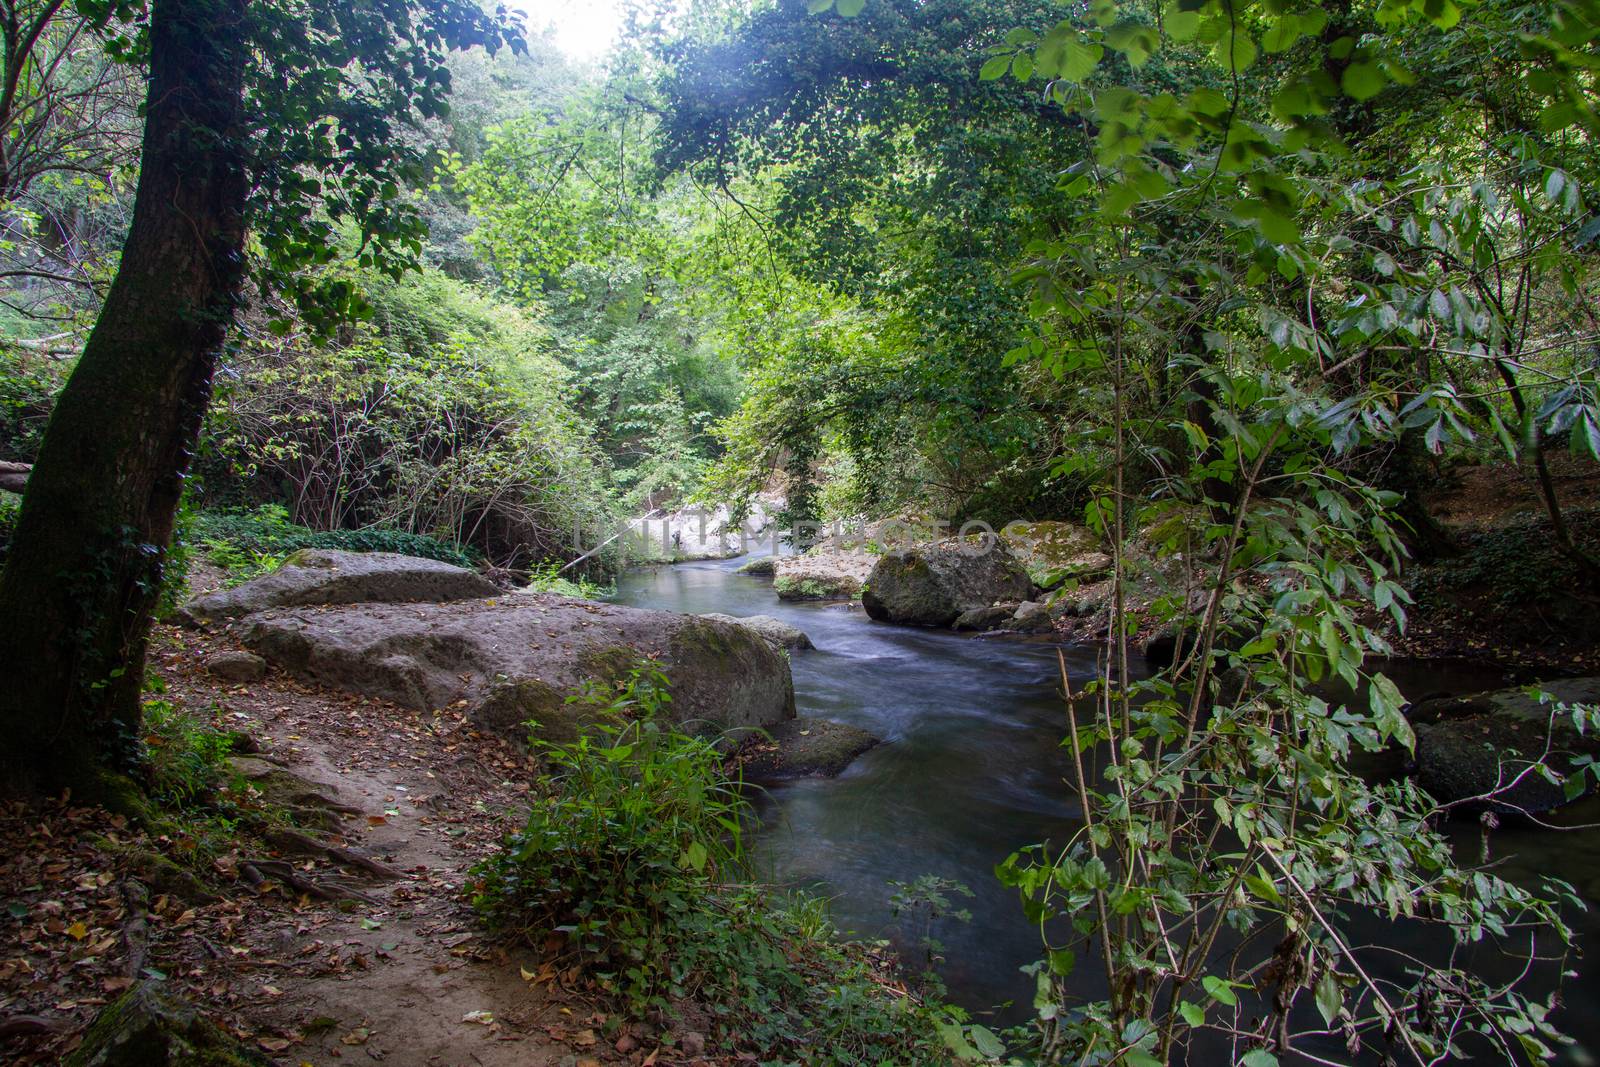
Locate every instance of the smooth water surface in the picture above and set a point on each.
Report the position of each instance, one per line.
(970, 769)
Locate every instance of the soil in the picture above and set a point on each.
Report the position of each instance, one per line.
(401, 977)
(1507, 596)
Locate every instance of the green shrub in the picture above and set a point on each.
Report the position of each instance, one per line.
(259, 539)
(548, 578)
(633, 857)
(10, 505)
(622, 854)
(186, 758)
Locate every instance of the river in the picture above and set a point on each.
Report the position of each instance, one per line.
(971, 768)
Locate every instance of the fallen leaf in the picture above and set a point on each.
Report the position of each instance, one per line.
(77, 931)
(482, 1018)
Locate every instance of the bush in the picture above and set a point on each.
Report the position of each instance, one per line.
(259, 539)
(10, 505)
(186, 758)
(622, 854)
(633, 858)
(549, 578)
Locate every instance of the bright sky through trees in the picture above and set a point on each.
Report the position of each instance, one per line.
(583, 28)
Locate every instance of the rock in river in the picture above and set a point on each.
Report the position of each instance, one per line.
(1053, 552)
(1469, 747)
(778, 633)
(518, 658)
(320, 576)
(934, 585)
(834, 569)
(804, 748)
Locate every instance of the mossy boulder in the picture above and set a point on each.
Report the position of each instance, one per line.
(321, 576)
(804, 748)
(833, 570)
(510, 660)
(761, 567)
(934, 585)
(778, 633)
(1054, 552)
(1479, 751)
(147, 1027)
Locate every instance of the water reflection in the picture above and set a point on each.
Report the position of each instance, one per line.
(971, 769)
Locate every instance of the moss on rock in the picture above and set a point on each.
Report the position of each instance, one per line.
(146, 1027)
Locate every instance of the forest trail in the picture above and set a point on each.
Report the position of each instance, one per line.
(402, 978)
(406, 980)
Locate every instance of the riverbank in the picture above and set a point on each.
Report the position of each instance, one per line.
(397, 968)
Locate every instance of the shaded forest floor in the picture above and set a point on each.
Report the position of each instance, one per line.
(400, 977)
(1505, 595)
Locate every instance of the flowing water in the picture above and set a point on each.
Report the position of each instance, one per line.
(971, 769)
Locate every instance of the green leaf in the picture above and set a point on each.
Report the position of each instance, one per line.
(695, 856)
(1330, 997)
(1080, 59)
(1181, 25)
(1192, 1013)
(850, 8)
(995, 68)
(986, 1042)
(1586, 434)
(1282, 34)
(1362, 81)
(1235, 51)
(1258, 1057)
(1553, 184)
(1136, 41)
(1219, 991)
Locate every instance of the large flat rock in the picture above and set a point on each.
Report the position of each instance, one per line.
(834, 569)
(322, 576)
(519, 658)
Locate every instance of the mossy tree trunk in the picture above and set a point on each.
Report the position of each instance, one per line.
(85, 566)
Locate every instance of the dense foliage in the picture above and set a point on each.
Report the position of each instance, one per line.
(632, 862)
(1227, 281)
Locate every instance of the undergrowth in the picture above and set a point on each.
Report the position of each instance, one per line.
(548, 578)
(250, 542)
(633, 860)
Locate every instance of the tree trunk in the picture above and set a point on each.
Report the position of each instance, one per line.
(86, 561)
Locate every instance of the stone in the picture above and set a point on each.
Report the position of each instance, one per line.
(778, 633)
(237, 666)
(1032, 617)
(511, 660)
(804, 748)
(322, 576)
(983, 619)
(933, 585)
(762, 567)
(148, 1027)
(1055, 552)
(1469, 747)
(834, 569)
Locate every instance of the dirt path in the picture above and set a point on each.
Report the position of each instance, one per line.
(401, 978)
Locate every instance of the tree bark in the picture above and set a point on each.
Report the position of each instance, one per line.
(86, 561)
